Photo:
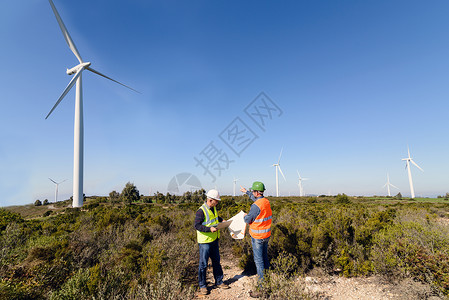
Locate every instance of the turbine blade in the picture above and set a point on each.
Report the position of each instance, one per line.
(280, 170)
(65, 33)
(280, 155)
(394, 186)
(52, 180)
(67, 89)
(98, 73)
(416, 165)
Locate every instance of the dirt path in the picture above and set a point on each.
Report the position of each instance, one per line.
(239, 284)
(320, 286)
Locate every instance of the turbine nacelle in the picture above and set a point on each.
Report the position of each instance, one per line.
(77, 68)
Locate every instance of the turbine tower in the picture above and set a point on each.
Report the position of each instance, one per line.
(407, 166)
(278, 167)
(235, 180)
(56, 189)
(388, 184)
(301, 188)
(78, 152)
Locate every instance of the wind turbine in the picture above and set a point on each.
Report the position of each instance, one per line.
(278, 167)
(56, 190)
(235, 180)
(78, 153)
(301, 189)
(388, 184)
(408, 160)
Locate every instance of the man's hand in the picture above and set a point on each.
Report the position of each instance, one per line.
(242, 189)
(213, 229)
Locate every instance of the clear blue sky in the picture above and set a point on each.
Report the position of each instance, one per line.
(356, 82)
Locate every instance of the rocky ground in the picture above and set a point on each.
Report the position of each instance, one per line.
(321, 286)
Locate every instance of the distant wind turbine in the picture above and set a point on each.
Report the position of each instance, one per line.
(235, 180)
(78, 154)
(56, 189)
(278, 167)
(301, 189)
(408, 160)
(388, 184)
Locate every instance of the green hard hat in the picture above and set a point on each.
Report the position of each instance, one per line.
(258, 186)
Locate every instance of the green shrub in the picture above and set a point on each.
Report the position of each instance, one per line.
(165, 286)
(279, 286)
(75, 288)
(415, 248)
(285, 263)
(342, 199)
(7, 217)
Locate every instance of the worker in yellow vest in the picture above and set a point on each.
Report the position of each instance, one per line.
(206, 218)
(259, 220)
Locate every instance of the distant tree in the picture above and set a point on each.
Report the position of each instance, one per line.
(187, 197)
(114, 196)
(45, 202)
(342, 199)
(130, 193)
(160, 198)
(399, 196)
(202, 194)
(447, 196)
(196, 197)
(84, 198)
(169, 198)
(37, 202)
(146, 199)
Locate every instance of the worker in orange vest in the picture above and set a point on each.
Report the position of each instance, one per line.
(259, 220)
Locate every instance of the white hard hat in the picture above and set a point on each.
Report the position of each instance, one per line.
(213, 194)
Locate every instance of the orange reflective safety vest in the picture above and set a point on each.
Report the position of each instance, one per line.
(261, 227)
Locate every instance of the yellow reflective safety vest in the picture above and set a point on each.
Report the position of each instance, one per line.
(210, 219)
(261, 227)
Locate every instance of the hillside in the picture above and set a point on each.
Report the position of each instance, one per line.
(321, 247)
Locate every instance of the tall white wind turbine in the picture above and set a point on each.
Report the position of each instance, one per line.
(408, 160)
(56, 189)
(388, 184)
(235, 180)
(278, 167)
(78, 154)
(301, 188)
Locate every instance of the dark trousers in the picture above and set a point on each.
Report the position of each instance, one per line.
(210, 250)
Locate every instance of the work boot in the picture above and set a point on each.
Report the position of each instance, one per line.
(223, 286)
(255, 294)
(204, 291)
